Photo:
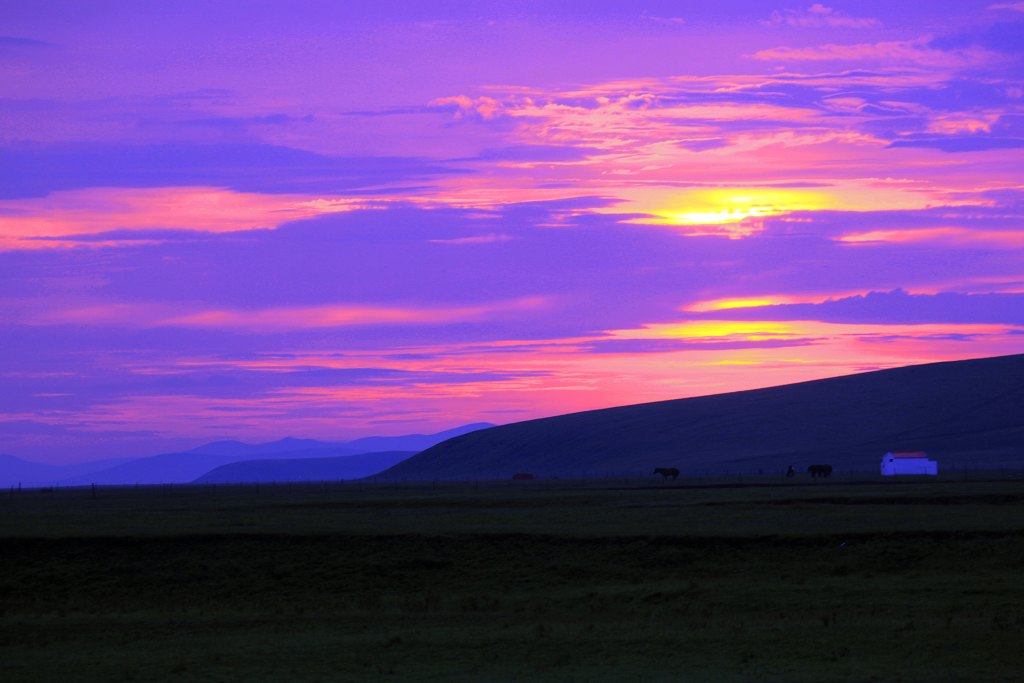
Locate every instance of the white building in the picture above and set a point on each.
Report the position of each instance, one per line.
(908, 463)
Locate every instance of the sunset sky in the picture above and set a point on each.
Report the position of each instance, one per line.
(251, 220)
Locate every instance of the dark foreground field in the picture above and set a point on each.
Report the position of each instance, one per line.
(542, 581)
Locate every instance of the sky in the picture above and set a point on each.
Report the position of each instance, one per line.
(251, 220)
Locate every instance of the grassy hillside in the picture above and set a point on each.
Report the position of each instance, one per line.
(965, 413)
(539, 581)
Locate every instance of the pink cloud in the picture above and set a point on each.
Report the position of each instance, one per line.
(887, 77)
(660, 136)
(963, 122)
(662, 21)
(820, 16)
(485, 108)
(490, 238)
(105, 209)
(276, 319)
(905, 51)
(101, 314)
(325, 316)
(948, 236)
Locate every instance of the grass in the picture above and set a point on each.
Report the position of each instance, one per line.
(540, 581)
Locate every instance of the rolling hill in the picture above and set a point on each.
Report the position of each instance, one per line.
(174, 468)
(304, 469)
(964, 413)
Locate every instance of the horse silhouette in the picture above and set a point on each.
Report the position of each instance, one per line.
(667, 472)
(820, 470)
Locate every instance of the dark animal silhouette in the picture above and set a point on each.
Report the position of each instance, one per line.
(524, 476)
(667, 472)
(820, 470)
(790, 472)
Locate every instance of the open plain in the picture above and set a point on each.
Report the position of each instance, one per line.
(768, 579)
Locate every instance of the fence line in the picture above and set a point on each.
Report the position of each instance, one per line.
(585, 479)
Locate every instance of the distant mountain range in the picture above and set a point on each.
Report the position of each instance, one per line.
(964, 413)
(15, 471)
(191, 465)
(233, 449)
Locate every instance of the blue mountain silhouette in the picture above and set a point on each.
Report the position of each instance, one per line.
(190, 465)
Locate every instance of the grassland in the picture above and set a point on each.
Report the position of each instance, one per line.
(764, 580)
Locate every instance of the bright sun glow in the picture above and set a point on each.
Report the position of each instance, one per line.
(714, 207)
(703, 329)
(725, 304)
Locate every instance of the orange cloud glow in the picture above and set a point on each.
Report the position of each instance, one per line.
(344, 316)
(102, 209)
(911, 51)
(752, 302)
(737, 208)
(939, 236)
(296, 318)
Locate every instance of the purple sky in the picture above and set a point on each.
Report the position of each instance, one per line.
(322, 219)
